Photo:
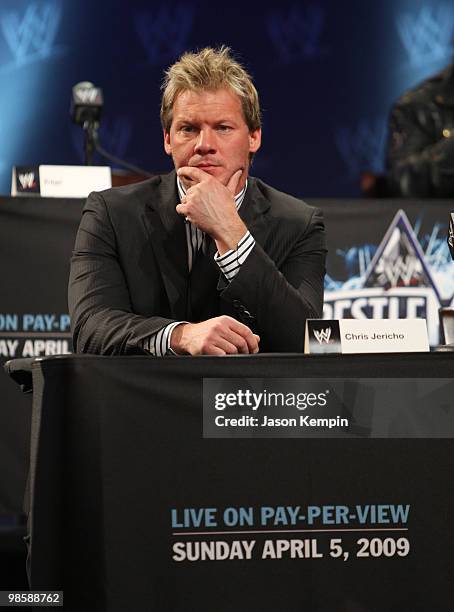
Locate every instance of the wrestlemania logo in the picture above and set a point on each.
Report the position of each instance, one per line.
(400, 280)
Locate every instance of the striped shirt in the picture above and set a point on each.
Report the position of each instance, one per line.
(229, 263)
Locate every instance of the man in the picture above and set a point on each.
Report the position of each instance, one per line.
(421, 145)
(204, 260)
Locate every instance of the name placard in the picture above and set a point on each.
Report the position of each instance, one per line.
(59, 181)
(366, 336)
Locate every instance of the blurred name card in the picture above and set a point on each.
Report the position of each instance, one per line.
(366, 336)
(59, 181)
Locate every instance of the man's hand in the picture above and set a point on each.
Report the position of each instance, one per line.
(219, 336)
(210, 206)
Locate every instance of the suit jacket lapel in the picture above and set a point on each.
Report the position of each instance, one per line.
(252, 211)
(168, 240)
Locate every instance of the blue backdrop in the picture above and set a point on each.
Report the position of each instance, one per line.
(327, 72)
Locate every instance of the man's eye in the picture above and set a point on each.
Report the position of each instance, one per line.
(187, 129)
(224, 128)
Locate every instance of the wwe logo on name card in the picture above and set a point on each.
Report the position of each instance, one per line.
(27, 180)
(427, 35)
(323, 335)
(31, 37)
(362, 146)
(164, 31)
(296, 33)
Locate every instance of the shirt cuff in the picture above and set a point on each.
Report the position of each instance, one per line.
(158, 344)
(231, 261)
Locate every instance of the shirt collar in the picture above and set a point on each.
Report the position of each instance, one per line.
(238, 198)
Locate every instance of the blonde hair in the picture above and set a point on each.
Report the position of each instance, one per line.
(210, 69)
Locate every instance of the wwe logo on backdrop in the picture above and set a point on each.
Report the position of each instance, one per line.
(31, 37)
(164, 32)
(427, 36)
(363, 147)
(27, 180)
(399, 260)
(296, 33)
(323, 335)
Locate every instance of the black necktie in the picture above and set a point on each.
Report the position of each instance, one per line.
(203, 300)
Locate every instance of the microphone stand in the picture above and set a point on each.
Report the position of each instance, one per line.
(91, 136)
(92, 144)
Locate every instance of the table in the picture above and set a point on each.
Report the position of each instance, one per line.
(118, 456)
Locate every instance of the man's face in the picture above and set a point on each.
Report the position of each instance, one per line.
(209, 131)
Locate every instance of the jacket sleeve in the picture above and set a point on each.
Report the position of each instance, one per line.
(417, 165)
(102, 320)
(280, 296)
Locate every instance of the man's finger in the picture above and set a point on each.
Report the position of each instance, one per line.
(214, 350)
(253, 343)
(239, 341)
(227, 345)
(232, 185)
(192, 174)
(182, 209)
(244, 331)
(237, 326)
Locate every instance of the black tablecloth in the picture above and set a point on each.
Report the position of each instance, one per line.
(117, 445)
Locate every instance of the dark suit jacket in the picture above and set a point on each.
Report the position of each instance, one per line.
(129, 271)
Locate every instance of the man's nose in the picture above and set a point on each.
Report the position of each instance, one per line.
(206, 142)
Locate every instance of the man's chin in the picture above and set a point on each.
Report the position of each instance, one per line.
(218, 172)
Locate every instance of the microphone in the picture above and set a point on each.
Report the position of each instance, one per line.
(86, 108)
(86, 103)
